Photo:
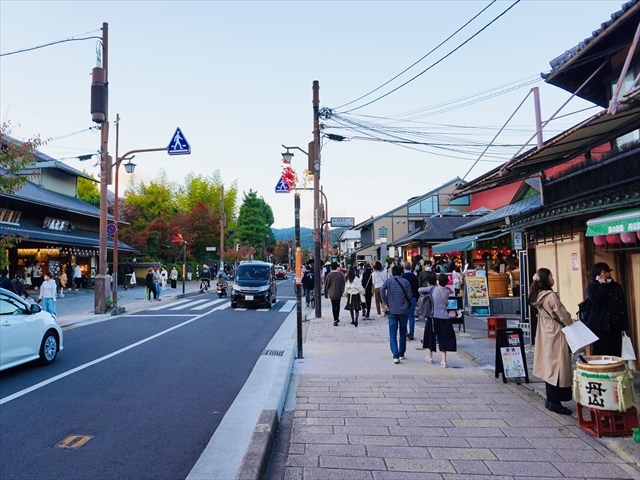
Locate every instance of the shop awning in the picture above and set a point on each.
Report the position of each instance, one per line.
(466, 243)
(618, 222)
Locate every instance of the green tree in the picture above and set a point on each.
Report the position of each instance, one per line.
(15, 156)
(254, 223)
(88, 190)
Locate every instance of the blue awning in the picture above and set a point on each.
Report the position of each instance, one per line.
(469, 242)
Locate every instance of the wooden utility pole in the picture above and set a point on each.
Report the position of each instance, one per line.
(317, 262)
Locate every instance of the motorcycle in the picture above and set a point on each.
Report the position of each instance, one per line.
(222, 290)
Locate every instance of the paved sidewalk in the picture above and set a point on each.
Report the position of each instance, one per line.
(360, 416)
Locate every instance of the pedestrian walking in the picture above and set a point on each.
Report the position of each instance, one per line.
(128, 275)
(457, 280)
(27, 276)
(367, 283)
(36, 276)
(151, 287)
(378, 277)
(77, 276)
(5, 282)
(607, 316)
(164, 275)
(353, 290)
(189, 272)
(48, 294)
(157, 280)
(174, 278)
(334, 284)
(410, 277)
(440, 328)
(551, 357)
(396, 297)
(308, 284)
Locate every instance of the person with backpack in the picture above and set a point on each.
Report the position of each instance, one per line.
(334, 288)
(441, 327)
(410, 277)
(607, 315)
(308, 284)
(396, 297)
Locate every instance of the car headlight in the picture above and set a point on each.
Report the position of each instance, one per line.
(236, 288)
(264, 289)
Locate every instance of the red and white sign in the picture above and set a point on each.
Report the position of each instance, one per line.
(574, 262)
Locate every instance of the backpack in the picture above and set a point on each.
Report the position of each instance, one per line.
(424, 306)
(584, 310)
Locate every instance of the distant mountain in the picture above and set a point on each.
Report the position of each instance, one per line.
(306, 235)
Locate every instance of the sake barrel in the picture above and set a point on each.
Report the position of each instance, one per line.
(498, 284)
(603, 383)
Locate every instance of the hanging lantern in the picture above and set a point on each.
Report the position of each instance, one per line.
(600, 240)
(613, 239)
(628, 237)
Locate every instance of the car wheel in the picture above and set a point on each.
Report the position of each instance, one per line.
(48, 348)
(234, 305)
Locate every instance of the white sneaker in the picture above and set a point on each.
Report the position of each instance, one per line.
(403, 358)
(429, 360)
(396, 360)
(444, 364)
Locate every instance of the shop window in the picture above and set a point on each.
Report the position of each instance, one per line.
(383, 232)
(627, 83)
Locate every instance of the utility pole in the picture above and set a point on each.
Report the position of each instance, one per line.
(298, 280)
(317, 263)
(101, 287)
(223, 221)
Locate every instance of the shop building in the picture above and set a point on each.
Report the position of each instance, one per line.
(53, 228)
(590, 174)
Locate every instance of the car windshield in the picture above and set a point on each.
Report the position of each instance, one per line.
(253, 273)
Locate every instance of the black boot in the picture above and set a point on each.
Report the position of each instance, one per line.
(558, 408)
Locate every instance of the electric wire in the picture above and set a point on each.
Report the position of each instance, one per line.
(70, 39)
(438, 61)
(423, 57)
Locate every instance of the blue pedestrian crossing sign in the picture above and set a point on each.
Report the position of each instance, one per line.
(282, 186)
(178, 144)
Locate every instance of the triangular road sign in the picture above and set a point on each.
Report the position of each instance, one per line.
(282, 186)
(178, 144)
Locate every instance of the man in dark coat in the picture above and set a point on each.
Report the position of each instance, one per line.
(5, 282)
(608, 315)
(334, 289)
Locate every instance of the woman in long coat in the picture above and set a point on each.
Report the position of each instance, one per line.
(552, 358)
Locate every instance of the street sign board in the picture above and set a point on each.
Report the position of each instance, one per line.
(282, 186)
(342, 221)
(178, 144)
(210, 249)
(112, 229)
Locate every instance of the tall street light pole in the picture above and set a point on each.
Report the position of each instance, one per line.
(315, 152)
(223, 223)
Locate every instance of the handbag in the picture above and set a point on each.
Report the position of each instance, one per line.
(627, 348)
(578, 335)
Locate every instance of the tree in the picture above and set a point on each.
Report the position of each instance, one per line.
(254, 223)
(88, 190)
(15, 156)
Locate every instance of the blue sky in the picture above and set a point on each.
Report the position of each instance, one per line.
(236, 77)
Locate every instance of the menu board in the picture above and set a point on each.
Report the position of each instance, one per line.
(510, 355)
(477, 291)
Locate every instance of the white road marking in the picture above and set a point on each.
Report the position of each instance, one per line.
(205, 305)
(160, 307)
(95, 362)
(288, 306)
(226, 305)
(189, 305)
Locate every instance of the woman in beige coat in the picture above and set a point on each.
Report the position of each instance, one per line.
(551, 358)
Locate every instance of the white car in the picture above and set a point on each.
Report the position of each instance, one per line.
(26, 332)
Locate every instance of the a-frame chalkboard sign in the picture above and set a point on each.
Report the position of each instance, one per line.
(511, 360)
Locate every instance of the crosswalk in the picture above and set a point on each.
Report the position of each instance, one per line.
(197, 305)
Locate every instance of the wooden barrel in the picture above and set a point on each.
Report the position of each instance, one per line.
(498, 284)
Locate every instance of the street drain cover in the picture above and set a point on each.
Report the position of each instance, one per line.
(74, 441)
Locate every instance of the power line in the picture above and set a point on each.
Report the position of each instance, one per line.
(70, 39)
(425, 56)
(438, 61)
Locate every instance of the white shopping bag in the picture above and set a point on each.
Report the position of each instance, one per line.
(578, 336)
(627, 348)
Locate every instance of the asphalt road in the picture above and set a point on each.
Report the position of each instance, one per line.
(144, 392)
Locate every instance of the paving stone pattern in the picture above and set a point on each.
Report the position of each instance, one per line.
(360, 416)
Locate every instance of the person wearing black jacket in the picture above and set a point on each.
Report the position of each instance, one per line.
(367, 283)
(5, 282)
(608, 315)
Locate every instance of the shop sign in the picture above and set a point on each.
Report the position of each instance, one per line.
(56, 224)
(574, 262)
(517, 240)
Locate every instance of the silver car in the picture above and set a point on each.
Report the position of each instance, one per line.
(26, 332)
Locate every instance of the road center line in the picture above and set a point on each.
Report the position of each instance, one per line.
(96, 361)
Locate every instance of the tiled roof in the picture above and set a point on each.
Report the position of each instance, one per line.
(33, 194)
(79, 238)
(436, 229)
(517, 208)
